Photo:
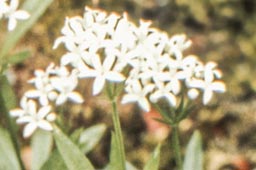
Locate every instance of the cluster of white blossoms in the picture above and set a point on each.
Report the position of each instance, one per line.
(101, 46)
(8, 10)
(104, 47)
(54, 86)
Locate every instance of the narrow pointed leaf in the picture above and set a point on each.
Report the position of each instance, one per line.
(184, 112)
(7, 93)
(91, 137)
(129, 166)
(194, 154)
(115, 162)
(55, 162)
(70, 153)
(162, 121)
(75, 136)
(8, 158)
(18, 58)
(7, 102)
(153, 162)
(166, 116)
(42, 142)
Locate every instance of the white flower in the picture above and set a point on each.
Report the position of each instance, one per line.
(124, 33)
(122, 56)
(73, 33)
(138, 93)
(44, 90)
(100, 46)
(178, 44)
(164, 91)
(75, 58)
(102, 72)
(19, 112)
(209, 88)
(34, 119)
(13, 14)
(207, 84)
(189, 67)
(65, 86)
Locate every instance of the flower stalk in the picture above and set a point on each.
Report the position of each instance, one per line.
(176, 146)
(118, 131)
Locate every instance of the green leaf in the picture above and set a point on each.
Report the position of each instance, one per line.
(7, 102)
(91, 137)
(115, 162)
(8, 157)
(72, 156)
(42, 142)
(7, 93)
(55, 162)
(36, 8)
(153, 162)
(76, 135)
(128, 166)
(18, 58)
(165, 115)
(194, 154)
(186, 109)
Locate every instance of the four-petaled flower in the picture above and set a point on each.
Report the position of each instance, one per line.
(65, 85)
(102, 72)
(11, 12)
(207, 84)
(33, 118)
(138, 93)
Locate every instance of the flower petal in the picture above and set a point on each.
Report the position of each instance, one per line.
(17, 112)
(21, 15)
(43, 111)
(144, 104)
(98, 84)
(29, 129)
(33, 93)
(114, 76)
(171, 99)
(129, 98)
(218, 86)
(62, 98)
(207, 96)
(75, 97)
(45, 125)
(12, 23)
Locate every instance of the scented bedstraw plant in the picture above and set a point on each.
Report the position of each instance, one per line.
(140, 63)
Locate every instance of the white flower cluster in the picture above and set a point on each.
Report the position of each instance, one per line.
(10, 12)
(104, 47)
(54, 85)
(101, 46)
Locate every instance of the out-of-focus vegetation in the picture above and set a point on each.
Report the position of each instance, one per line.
(221, 30)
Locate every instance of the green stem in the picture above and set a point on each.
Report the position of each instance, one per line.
(117, 128)
(176, 146)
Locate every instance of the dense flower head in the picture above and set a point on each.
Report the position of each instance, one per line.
(101, 45)
(10, 12)
(110, 48)
(53, 86)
